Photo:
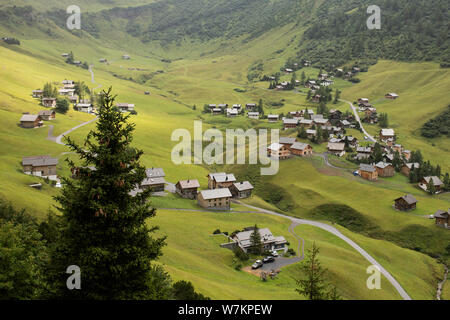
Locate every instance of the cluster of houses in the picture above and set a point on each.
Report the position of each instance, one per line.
(235, 110)
(288, 147)
(269, 242)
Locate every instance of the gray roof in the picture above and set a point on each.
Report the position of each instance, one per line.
(442, 214)
(155, 173)
(29, 118)
(290, 121)
(299, 146)
(336, 146)
(242, 186)
(366, 167)
(243, 238)
(222, 177)
(364, 149)
(410, 165)
(39, 161)
(46, 112)
(436, 180)
(409, 198)
(153, 181)
(216, 193)
(383, 165)
(286, 140)
(187, 184)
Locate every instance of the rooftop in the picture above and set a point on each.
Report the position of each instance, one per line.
(216, 193)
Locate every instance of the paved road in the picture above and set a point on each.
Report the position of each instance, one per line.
(337, 233)
(355, 112)
(93, 78)
(324, 156)
(58, 139)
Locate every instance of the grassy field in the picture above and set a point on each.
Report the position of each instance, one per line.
(305, 183)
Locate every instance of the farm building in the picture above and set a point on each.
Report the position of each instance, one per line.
(311, 133)
(287, 141)
(336, 148)
(385, 169)
(251, 106)
(268, 241)
(425, 183)
(125, 107)
(47, 114)
(216, 111)
(290, 123)
(273, 117)
(49, 102)
(278, 151)
(38, 93)
(407, 167)
(231, 112)
(84, 107)
(66, 92)
(301, 149)
(30, 121)
(386, 134)
(187, 188)
(391, 96)
(241, 190)
(217, 199)
(65, 81)
(368, 172)
(405, 203)
(41, 166)
(154, 180)
(220, 180)
(253, 115)
(442, 218)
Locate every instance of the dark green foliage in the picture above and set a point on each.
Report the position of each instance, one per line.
(184, 290)
(255, 241)
(345, 216)
(62, 106)
(217, 231)
(49, 91)
(240, 254)
(12, 41)
(439, 126)
(104, 229)
(23, 255)
(383, 120)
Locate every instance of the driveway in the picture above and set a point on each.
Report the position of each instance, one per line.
(355, 112)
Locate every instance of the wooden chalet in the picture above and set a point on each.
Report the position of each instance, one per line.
(301, 149)
(277, 150)
(220, 180)
(442, 218)
(30, 121)
(385, 169)
(216, 199)
(241, 190)
(368, 172)
(187, 188)
(47, 114)
(49, 102)
(407, 167)
(405, 203)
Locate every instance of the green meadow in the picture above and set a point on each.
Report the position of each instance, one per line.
(192, 79)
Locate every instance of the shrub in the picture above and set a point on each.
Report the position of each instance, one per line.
(240, 254)
(217, 231)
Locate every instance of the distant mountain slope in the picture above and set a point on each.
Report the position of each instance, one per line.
(336, 31)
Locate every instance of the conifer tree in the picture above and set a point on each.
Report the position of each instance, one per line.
(104, 228)
(255, 241)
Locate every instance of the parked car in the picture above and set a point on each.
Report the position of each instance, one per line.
(268, 259)
(257, 264)
(274, 253)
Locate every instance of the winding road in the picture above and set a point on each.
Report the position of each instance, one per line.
(336, 232)
(355, 112)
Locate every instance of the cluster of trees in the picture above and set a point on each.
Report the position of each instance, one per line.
(324, 92)
(11, 41)
(71, 60)
(410, 30)
(101, 228)
(439, 126)
(383, 120)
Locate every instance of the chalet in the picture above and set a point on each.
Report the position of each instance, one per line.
(301, 149)
(268, 241)
(397, 148)
(407, 167)
(406, 154)
(102, 60)
(287, 141)
(220, 180)
(126, 57)
(47, 114)
(308, 111)
(273, 117)
(69, 86)
(73, 99)
(385, 169)
(368, 172)
(363, 100)
(253, 115)
(154, 180)
(237, 107)
(316, 98)
(310, 83)
(64, 55)
(77, 62)
(442, 218)
(147, 93)
(279, 88)
(251, 106)
(125, 107)
(41, 166)
(66, 92)
(344, 123)
(336, 148)
(217, 199)
(335, 114)
(371, 115)
(425, 182)
(290, 123)
(278, 151)
(363, 152)
(49, 102)
(187, 188)
(296, 114)
(317, 116)
(222, 105)
(306, 123)
(38, 93)
(405, 203)
(65, 81)
(231, 112)
(311, 133)
(287, 70)
(84, 107)
(391, 96)
(30, 121)
(326, 83)
(212, 106)
(386, 134)
(364, 106)
(322, 122)
(241, 190)
(216, 111)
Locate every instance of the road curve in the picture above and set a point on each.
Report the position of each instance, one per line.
(355, 112)
(337, 233)
(59, 138)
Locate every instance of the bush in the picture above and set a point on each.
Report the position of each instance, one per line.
(291, 252)
(62, 106)
(240, 254)
(217, 231)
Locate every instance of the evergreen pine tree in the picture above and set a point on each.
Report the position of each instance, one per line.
(431, 188)
(255, 241)
(103, 227)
